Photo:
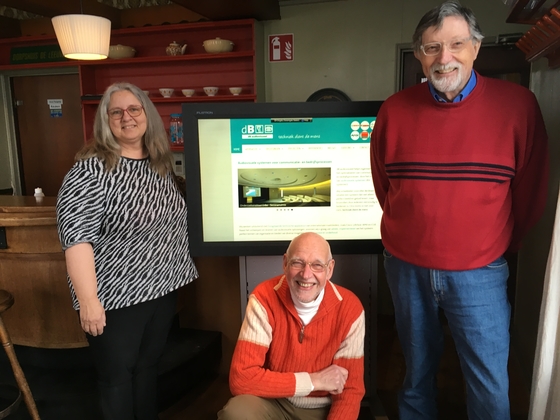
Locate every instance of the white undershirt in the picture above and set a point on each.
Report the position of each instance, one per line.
(307, 311)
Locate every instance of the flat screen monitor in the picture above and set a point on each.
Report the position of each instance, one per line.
(249, 191)
(259, 174)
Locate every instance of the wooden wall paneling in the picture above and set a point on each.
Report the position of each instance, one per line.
(33, 239)
(42, 315)
(33, 270)
(88, 82)
(211, 302)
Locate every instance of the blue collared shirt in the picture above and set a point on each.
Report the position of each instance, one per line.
(462, 95)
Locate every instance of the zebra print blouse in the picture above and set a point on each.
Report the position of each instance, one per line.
(136, 222)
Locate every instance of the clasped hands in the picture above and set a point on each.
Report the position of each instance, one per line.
(331, 379)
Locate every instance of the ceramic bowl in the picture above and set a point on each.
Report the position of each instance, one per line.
(235, 90)
(217, 45)
(121, 51)
(147, 92)
(188, 92)
(166, 92)
(210, 90)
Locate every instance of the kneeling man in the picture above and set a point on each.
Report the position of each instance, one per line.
(300, 352)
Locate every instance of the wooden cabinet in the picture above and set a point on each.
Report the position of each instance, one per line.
(152, 69)
(33, 270)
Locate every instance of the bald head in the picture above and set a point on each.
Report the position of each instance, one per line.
(310, 240)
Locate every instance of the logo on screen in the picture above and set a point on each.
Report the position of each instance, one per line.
(361, 130)
(257, 129)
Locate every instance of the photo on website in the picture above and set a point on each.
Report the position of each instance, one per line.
(284, 187)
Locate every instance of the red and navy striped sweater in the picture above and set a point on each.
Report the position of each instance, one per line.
(459, 183)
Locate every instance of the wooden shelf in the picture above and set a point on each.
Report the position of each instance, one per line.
(543, 39)
(38, 65)
(201, 98)
(167, 58)
(195, 98)
(152, 69)
(530, 11)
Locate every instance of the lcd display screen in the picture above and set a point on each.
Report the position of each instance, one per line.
(259, 174)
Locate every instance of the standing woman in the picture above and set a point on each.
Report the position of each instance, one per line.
(122, 223)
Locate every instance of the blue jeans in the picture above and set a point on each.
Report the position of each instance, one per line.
(477, 309)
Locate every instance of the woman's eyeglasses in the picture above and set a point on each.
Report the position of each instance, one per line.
(117, 113)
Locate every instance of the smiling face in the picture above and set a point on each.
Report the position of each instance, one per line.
(304, 283)
(128, 131)
(449, 72)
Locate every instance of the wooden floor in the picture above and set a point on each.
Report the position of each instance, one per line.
(213, 393)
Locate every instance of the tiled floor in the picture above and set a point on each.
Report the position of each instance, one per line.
(204, 403)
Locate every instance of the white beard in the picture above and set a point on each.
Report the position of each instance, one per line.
(446, 84)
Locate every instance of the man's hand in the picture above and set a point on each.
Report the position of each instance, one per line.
(332, 379)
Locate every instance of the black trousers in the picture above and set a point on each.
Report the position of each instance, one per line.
(126, 357)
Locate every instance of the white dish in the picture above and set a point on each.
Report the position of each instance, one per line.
(210, 90)
(188, 92)
(166, 92)
(121, 51)
(235, 90)
(217, 45)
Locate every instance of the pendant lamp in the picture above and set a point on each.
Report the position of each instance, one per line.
(83, 37)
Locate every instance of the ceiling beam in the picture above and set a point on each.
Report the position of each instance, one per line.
(229, 9)
(63, 7)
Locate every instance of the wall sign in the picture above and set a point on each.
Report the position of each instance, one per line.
(281, 47)
(55, 106)
(36, 54)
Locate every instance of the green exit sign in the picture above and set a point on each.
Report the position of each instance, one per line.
(38, 54)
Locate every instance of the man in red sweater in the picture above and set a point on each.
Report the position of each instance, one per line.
(460, 169)
(300, 352)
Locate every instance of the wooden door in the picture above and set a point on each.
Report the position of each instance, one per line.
(47, 138)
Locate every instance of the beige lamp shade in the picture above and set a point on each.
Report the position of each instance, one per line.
(83, 37)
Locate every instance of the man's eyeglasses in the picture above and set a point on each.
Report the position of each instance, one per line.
(132, 110)
(453, 46)
(316, 266)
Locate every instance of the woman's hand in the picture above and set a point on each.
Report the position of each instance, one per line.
(81, 269)
(92, 317)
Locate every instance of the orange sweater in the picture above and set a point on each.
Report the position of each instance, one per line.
(269, 360)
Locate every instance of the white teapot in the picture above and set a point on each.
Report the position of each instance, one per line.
(175, 48)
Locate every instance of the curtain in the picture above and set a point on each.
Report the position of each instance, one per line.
(545, 390)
